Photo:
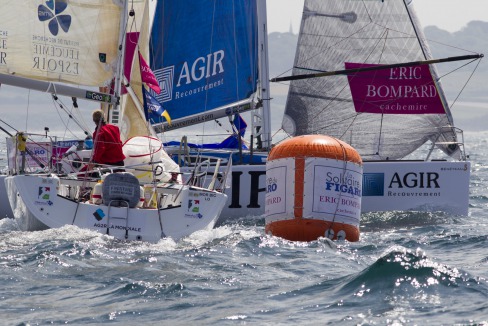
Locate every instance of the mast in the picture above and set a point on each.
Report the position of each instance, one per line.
(262, 122)
(114, 116)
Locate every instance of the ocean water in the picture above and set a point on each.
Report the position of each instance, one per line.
(408, 268)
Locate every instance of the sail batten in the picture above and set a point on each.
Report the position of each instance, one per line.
(373, 97)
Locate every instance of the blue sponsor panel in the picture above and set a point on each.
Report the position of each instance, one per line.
(206, 57)
(417, 186)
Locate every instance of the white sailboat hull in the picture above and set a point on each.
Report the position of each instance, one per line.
(38, 204)
(387, 186)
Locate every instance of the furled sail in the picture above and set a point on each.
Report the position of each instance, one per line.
(205, 59)
(383, 123)
(137, 41)
(72, 42)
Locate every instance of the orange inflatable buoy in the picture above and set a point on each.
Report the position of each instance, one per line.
(313, 189)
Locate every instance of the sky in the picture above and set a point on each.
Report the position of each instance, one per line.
(450, 15)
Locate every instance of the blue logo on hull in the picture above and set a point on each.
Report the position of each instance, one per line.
(99, 214)
(373, 184)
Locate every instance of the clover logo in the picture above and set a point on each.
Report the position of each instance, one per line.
(52, 12)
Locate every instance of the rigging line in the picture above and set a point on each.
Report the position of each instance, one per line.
(329, 102)
(354, 117)
(343, 39)
(147, 122)
(133, 26)
(28, 106)
(340, 192)
(367, 12)
(57, 102)
(384, 45)
(8, 125)
(382, 115)
(281, 129)
(418, 33)
(39, 160)
(466, 83)
(450, 46)
(345, 86)
(151, 155)
(132, 13)
(380, 133)
(220, 125)
(385, 33)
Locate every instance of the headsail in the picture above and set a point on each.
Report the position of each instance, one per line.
(137, 41)
(205, 58)
(334, 33)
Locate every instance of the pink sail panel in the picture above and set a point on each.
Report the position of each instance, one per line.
(399, 90)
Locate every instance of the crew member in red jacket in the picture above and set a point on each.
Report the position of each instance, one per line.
(107, 148)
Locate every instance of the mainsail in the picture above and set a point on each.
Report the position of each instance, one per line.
(336, 35)
(72, 42)
(205, 58)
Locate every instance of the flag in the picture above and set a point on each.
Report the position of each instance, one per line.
(131, 41)
(153, 110)
(148, 76)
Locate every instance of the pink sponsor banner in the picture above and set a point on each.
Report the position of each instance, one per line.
(399, 90)
(131, 40)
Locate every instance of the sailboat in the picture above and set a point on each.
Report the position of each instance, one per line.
(363, 73)
(93, 44)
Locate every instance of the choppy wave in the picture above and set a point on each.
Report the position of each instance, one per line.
(236, 273)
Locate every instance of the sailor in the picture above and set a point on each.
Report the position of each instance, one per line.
(107, 149)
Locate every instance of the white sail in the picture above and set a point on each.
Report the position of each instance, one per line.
(71, 42)
(133, 122)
